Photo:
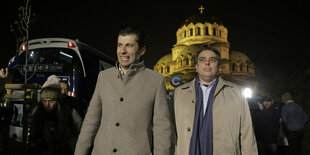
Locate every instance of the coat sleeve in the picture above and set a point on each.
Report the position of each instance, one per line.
(161, 122)
(247, 137)
(91, 123)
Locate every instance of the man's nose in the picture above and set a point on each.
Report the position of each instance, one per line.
(123, 50)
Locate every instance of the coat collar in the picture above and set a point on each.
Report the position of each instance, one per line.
(190, 86)
(132, 70)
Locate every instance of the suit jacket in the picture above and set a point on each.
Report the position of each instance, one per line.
(127, 115)
(232, 126)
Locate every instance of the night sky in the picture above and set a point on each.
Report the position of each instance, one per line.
(273, 34)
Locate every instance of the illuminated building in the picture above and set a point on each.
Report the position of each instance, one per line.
(196, 31)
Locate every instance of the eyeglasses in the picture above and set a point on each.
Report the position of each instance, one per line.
(204, 59)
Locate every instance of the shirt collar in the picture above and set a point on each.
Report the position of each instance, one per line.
(207, 86)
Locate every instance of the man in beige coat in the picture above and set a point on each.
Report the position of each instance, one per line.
(128, 113)
(217, 121)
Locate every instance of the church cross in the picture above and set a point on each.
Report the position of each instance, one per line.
(201, 9)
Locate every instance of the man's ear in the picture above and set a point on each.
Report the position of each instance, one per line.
(142, 50)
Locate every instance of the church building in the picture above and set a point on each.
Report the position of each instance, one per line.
(195, 32)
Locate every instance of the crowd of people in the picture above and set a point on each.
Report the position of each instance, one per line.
(129, 114)
(279, 126)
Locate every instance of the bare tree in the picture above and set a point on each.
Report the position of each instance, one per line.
(21, 29)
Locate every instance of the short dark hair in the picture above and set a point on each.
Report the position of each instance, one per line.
(207, 47)
(64, 81)
(127, 30)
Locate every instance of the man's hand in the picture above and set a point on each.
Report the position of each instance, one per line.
(260, 106)
(4, 73)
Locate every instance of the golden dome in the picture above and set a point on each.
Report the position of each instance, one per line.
(165, 59)
(236, 56)
(241, 65)
(201, 18)
(190, 50)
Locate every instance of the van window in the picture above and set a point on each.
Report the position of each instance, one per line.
(62, 60)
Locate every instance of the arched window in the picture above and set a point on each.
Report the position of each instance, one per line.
(241, 68)
(214, 31)
(207, 31)
(186, 61)
(184, 34)
(191, 32)
(168, 69)
(248, 68)
(233, 67)
(161, 69)
(220, 33)
(198, 31)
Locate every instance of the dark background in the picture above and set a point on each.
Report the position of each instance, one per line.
(274, 34)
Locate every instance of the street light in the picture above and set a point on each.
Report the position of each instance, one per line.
(247, 92)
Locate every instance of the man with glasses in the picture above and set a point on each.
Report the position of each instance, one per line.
(211, 115)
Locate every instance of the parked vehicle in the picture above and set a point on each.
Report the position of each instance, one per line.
(71, 60)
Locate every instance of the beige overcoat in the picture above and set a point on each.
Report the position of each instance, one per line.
(127, 115)
(232, 126)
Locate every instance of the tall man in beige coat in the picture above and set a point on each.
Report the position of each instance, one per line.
(128, 113)
(217, 121)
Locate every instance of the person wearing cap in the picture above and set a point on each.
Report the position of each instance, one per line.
(128, 113)
(294, 119)
(212, 117)
(54, 126)
(267, 126)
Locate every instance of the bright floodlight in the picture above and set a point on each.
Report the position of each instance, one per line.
(247, 92)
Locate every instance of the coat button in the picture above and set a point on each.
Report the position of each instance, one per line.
(114, 150)
(117, 124)
(193, 101)
(188, 129)
(121, 99)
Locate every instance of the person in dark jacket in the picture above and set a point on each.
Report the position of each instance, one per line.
(54, 126)
(267, 125)
(69, 100)
(294, 119)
